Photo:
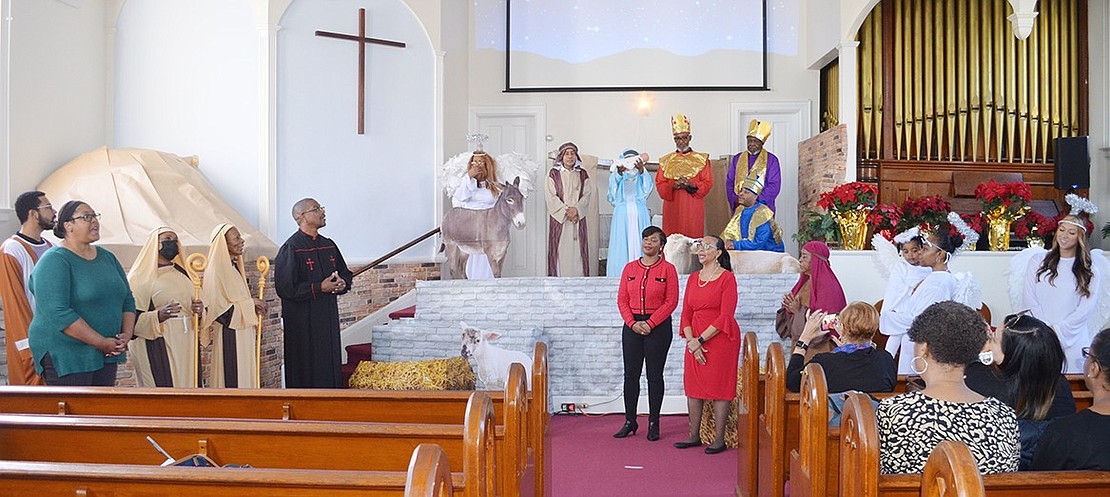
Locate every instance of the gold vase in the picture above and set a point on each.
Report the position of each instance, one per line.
(853, 228)
(998, 227)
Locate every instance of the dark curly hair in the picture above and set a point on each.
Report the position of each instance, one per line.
(955, 333)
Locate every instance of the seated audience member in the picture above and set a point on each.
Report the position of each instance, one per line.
(1021, 366)
(1082, 440)
(946, 337)
(753, 225)
(855, 364)
(817, 289)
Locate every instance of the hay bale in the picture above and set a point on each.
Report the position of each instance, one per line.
(435, 374)
(707, 430)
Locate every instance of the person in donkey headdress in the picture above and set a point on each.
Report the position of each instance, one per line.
(569, 193)
(683, 180)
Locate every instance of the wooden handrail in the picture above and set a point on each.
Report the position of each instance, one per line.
(396, 251)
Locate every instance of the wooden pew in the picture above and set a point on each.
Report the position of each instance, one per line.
(260, 444)
(859, 457)
(950, 471)
(428, 476)
(443, 407)
(778, 425)
(747, 417)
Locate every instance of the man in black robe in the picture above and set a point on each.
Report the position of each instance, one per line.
(309, 274)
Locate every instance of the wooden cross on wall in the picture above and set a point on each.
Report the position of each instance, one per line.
(362, 41)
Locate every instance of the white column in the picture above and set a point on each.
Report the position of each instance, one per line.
(849, 102)
(267, 121)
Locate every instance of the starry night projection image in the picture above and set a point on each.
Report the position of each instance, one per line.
(617, 44)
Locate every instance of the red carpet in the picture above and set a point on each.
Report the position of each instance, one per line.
(588, 462)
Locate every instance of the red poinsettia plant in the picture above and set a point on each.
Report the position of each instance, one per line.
(974, 221)
(884, 219)
(931, 210)
(849, 197)
(1010, 197)
(1023, 226)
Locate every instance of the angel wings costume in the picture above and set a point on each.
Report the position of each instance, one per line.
(468, 193)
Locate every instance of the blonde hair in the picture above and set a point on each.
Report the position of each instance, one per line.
(859, 321)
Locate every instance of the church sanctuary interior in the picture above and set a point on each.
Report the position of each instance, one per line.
(510, 196)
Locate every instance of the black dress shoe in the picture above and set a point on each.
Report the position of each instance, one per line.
(687, 445)
(629, 428)
(715, 450)
(653, 431)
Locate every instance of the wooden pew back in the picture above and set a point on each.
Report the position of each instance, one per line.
(859, 457)
(747, 417)
(775, 432)
(813, 435)
(950, 471)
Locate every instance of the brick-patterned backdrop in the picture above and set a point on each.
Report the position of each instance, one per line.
(370, 291)
(576, 317)
(822, 164)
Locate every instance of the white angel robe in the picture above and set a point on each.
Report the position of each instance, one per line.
(471, 195)
(1061, 307)
(899, 286)
(938, 286)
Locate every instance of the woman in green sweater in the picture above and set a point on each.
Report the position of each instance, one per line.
(84, 311)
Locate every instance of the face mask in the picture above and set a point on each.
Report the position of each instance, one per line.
(168, 250)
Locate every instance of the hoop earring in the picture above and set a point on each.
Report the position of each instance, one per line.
(913, 365)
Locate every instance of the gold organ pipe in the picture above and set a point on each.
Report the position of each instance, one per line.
(1034, 100)
(877, 94)
(907, 74)
(1021, 48)
(928, 76)
(1073, 65)
(1045, 36)
(1000, 77)
(1011, 92)
(950, 68)
(918, 83)
(1057, 53)
(974, 95)
(965, 32)
(1065, 68)
(899, 109)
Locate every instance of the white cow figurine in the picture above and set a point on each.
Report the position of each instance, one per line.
(493, 361)
(678, 251)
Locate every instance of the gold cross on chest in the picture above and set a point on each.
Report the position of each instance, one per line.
(362, 41)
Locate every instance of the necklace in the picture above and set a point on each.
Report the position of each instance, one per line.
(703, 282)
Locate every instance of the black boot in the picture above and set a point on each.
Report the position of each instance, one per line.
(629, 428)
(653, 430)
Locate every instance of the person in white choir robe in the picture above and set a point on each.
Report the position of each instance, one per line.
(940, 285)
(478, 191)
(1062, 288)
(164, 350)
(231, 312)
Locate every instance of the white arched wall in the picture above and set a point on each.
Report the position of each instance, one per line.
(185, 81)
(379, 187)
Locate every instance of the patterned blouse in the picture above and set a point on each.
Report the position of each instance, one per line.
(910, 425)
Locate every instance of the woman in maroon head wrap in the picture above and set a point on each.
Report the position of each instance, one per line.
(817, 289)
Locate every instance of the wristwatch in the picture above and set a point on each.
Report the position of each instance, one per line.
(701, 340)
(801, 345)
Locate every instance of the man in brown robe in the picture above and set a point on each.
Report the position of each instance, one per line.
(569, 193)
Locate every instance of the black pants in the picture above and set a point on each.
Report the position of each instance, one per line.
(103, 377)
(638, 349)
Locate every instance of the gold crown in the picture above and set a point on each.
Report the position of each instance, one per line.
(759, 130)
(754, 184)
(679, 124)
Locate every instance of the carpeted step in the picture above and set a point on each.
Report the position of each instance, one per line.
(408, 312)
(356, 353)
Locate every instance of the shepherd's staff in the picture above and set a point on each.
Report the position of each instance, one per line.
(197, 263)
(263, 264)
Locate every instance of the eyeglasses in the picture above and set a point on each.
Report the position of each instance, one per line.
(314, 209)
(88, 218)
(702, 246)
(47, 206)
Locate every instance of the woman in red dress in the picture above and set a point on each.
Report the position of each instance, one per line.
(712, 341)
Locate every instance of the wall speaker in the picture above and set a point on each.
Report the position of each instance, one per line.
(1073, 163)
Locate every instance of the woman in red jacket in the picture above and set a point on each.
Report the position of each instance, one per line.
(647, 296)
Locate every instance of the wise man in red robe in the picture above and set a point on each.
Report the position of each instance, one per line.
(683, 180)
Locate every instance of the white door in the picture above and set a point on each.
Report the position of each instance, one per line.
(520, 129)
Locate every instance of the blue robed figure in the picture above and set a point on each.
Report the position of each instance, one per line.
(629, 187)
(753, 226)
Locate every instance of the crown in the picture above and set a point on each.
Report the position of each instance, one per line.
(679, 124)
(759, 130)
